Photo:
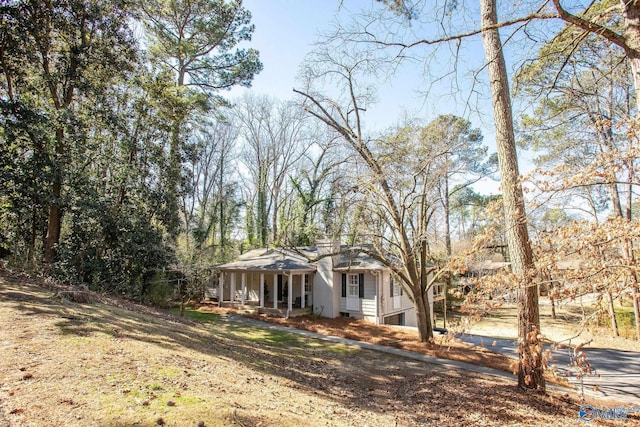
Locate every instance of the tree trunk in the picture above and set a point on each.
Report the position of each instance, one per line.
(174, 183)
(630, 249)
(223, 248)
(608, 146)
(174, 174)
(636, 310)
(552, 300)
(615, 198)
(612, 315)
(423, 307)
(423, 315)
(54, 220)
(274, 215)
(261, 208)
(631, 258)
(631, 13)
(530, 366)
(447, 237)
(635, 71)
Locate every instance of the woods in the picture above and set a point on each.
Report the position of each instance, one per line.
(105, 131)
(128, 165)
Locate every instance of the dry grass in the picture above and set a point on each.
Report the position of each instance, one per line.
(403, 338)
(566, 328)
(72, 364)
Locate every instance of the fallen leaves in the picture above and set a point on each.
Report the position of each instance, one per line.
(130, 381)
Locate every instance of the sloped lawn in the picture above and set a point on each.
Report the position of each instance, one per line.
(110, 363)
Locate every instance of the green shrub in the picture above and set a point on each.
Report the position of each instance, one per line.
(626, 322)
(159, 291)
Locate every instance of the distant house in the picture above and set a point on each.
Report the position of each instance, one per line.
(343, 282)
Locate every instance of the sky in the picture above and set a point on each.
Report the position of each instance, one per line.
(286, 31)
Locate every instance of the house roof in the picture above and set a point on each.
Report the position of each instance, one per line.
(276, 259)
(269, 260)
(360, 261)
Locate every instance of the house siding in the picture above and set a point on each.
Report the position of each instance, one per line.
(388, 301)
(375, 301)
(326, 288)
(322, 296)
(367, 309)
(405, 306)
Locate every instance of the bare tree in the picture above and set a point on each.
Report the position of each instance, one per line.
(274, 139)
(398, 196)
(314, 182)
(209, 179)
(530, 372)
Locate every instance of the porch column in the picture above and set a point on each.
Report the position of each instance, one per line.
(220, 289)
(302, 296)
(290, 293)
(275, 290)
(243, 287)
(233, 286)
(261, 290)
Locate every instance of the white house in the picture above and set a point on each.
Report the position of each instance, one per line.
(341, 281)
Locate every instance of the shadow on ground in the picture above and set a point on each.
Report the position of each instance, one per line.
(353, 378)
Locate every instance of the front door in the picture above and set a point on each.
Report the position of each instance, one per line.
(353, 292)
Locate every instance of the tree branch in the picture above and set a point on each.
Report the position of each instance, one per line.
(591, 26)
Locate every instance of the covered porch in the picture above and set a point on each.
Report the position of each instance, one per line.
(272, 281)
(279, 291)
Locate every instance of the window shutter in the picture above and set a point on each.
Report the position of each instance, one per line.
(344, 285)
(361, 285)
(391, 285)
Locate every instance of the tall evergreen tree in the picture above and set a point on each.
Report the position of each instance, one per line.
(197, 41)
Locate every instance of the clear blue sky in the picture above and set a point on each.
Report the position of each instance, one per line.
(286, 31)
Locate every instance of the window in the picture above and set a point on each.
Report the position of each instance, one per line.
(353, 290)
(438, 290)
(353, 285)
(396, 289)
(307, 285)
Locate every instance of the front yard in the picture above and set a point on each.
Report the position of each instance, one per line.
(110, 363)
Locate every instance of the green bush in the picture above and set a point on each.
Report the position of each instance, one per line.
(626, 322)
(159, 291)
(111, 251)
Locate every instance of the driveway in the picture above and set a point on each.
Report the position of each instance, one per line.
(617, 372)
